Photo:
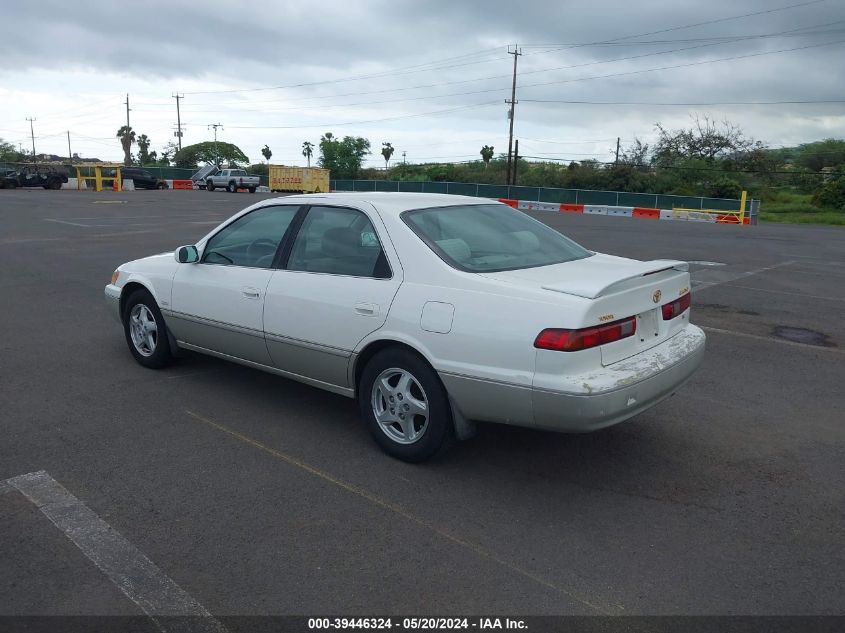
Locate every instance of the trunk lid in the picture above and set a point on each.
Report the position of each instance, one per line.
(612, 288)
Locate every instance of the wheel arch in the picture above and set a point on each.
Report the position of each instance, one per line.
(463, 428)
(135, 284)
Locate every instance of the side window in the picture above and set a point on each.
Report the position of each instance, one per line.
(251, 240)
(340, 242)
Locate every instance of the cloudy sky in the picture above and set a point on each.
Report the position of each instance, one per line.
(431, 77)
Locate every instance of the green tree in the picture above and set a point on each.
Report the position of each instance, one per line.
(127, 136)
(487, 155)
(8, 153)
(266, 153)
(816, 156)
(387, 152)
(209, 152)
(831, 194)
(308, 151)
(343, 157)
(168, 153)
(705, 139)
(144, 149)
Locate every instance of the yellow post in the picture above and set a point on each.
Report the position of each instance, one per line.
(79, 179)
(119, 180)
(742, 207)
(98, 178)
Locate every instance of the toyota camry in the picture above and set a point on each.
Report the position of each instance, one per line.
(434, 311)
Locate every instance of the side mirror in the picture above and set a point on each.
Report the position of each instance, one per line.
(187, 254)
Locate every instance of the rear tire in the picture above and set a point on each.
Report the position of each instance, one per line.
(404, 405)
(56, 184)
(232, 188)
(146, 331)
(252, 189)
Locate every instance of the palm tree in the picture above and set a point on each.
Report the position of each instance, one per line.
(127, 136)
(307, 151)
(387, 152)
(265, 151)
(486, 154)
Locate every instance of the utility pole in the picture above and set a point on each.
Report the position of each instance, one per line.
(32, 133)
(515, 160)
(216, 154)
(127, 112)
(403, 157)
(69, 155)
(177, 96)
(516, 52)
(616, 162)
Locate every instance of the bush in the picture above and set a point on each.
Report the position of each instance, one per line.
(725, 187)
(831, 195)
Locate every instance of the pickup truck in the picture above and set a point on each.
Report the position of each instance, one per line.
(231, 180)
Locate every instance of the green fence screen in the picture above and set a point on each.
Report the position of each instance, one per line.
(542, 194)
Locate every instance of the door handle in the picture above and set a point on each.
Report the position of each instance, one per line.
(251, 293)
(366, 309)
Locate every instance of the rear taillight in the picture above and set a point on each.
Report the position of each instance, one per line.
(574, 340)
(671, 310)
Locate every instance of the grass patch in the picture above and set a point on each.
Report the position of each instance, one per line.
(817, 216)
(795, 208)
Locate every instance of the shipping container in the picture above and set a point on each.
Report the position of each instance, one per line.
(299, 179)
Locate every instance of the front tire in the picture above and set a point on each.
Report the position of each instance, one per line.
(209, 186)
(145, 330)
(404, 405)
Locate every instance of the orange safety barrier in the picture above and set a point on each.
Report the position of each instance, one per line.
(647, 213)
(510, 203)
(727, 219)
(572, 208)
(183, 184)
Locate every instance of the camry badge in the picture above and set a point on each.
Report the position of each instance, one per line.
(656, 296)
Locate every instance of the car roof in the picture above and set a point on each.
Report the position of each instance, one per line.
(391, 202)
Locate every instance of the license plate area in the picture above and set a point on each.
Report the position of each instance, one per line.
(646, 336)
(648, 328)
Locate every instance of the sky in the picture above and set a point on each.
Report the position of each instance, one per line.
(430, 77)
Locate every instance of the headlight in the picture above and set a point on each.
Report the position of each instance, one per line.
(114, 276)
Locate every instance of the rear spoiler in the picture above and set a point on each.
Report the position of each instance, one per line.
(603, 284)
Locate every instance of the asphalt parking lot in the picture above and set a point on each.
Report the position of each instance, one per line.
(258, 495)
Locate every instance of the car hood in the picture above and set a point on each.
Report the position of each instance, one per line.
(590, 277)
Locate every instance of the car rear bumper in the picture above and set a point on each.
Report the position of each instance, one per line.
(622, 390)
(113, 301)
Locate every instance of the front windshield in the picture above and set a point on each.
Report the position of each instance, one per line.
(490, 237)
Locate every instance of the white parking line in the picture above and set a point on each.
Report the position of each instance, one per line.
(729, 277)
(133, 573)
(84, 226)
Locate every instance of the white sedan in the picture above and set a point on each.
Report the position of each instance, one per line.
(434, 311)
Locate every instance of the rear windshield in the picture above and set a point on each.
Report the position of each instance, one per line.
(237, 172)
(489, 238)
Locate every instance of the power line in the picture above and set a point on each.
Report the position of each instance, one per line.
(690, 26)
(690, 103)
(393, 118)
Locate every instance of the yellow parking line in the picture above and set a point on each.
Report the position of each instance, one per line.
(387, 505)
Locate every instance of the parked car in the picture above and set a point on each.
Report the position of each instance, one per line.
(142, 179)
(7, 178)
(231, 180)
(46, 176)
(434, 311)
